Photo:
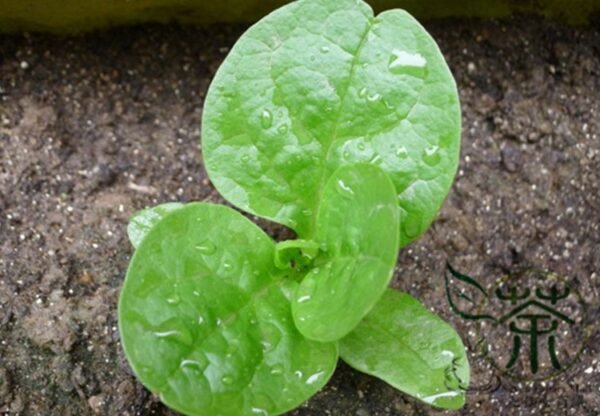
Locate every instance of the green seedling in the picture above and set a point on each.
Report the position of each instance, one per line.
(345, 127)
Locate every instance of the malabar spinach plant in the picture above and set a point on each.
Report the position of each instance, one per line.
(345, 127)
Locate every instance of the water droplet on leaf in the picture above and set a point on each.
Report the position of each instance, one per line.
(277, 369)
(403, 62)
(271, 336)
(194, 364)
(401, 152)
(303, 299)
(206, 248)
(266, 119)
(431, 155)
(324, 49)
(374, 97)
(166, 334)
(174, 299)
(344, 189)
(313, 378)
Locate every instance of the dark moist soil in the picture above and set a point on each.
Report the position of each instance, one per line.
(93, 128)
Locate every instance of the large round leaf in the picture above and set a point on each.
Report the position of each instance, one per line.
(318, 84)
(357, 226)
(205, 319)
(412, 349)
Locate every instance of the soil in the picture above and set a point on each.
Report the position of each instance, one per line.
(93, 128)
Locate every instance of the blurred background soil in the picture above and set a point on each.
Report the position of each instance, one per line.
(95, 127)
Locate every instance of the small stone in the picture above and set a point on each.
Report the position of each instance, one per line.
(97, 403)
(511, 157)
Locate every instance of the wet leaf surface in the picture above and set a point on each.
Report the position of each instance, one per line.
(357, 228)
(205, 319)
(412, 349)
(317, 85)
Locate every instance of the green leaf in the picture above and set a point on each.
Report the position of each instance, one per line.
(412, 349)
(142, 221)
(319, 84)
(205, 319)
(357, 227)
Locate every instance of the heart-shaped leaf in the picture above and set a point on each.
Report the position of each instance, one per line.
(205, 319)
(142, 221)
(357, 226)
(415, 351)
(319, 84)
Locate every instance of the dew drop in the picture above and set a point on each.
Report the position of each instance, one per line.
(266, 119)
(344, 189)
(431, 155)
(200, 320)
(194, 364)
(376, 159)
(312, 57)
(307, 212)
(363, 92)
(411, 228)
(174, 299)
(196, 293)
(298, 373)
(277, 369)
(346, 155)
(167, 334)
(403, 62)
(361, 146)
(259, 411)
(303, 299)
(271, 336)
(283, 129)
(313, 378)
(206, 248)
(448, 354)
(227, 380)
(433, 398)
(324, 49)
(374, 97)
(245, 158)
(401, 152)
(227, 266)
